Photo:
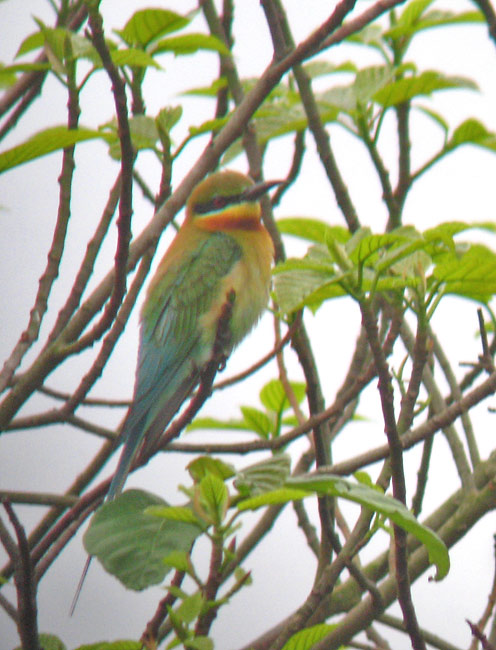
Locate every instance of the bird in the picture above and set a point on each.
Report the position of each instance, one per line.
(221, 255)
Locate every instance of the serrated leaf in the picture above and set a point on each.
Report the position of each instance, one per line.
(385, 505)
(264, 476)
(307, 638)
(296, 289)
(426, 83)
(214, 497)
(312, 230)
(45, 142)
(471, 275)
(307, 281)
(189, 44)
(131, 544)
(370, 245)
(146, 25)
(204, 465)
(257, 421)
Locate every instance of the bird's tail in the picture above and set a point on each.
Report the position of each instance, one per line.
(80, 584)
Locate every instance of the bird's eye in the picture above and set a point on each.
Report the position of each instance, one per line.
(218, 202)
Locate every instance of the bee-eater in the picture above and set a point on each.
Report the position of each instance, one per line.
(221, 254)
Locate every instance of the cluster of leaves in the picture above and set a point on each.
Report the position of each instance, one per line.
(139, 538)
(136, 48)
(418, 267)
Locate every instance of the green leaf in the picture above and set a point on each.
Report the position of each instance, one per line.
(168, 117)
(144, 134)
(312, 230)
(370, 36)
(199, 643)
(179, 560)
(426, 83)
(264, 476)
(307, 638)
(191, 607)
(273, 395)
(204, 465)
(208, 126)
(214, 497)
(48, 642)
(436, 18)
(300, 283)
(274, 497)
(471, 274)
(189, 44)
(54, 37)
(385, 505)
(7, 77)
(436, 117)
(368, 82)
(408, 18)
(214, 423)
(45, 142)
(112, 645)
(134, 58)
(130, 544)
(316, 69)
(257, 421)
(208, 91)
(173, 513)
(146, 25)
(472, 131)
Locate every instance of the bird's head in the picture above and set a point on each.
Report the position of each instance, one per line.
(227, 200)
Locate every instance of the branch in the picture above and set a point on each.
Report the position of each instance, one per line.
(397, 471)
(27, 623)
(127, 163)
(50, 274)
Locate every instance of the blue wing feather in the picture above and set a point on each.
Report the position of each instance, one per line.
(172, 350)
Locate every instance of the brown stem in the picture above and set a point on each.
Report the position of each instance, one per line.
(26, 584)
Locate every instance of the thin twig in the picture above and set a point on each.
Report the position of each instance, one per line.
(397, 471)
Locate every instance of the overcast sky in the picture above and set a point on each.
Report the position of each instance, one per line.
(461, 188)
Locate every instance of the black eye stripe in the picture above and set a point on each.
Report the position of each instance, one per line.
(217, 203)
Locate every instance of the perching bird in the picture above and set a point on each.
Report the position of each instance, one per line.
(221, 254)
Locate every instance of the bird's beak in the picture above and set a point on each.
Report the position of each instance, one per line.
(256, 191)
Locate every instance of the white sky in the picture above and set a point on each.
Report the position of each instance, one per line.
(460, 188)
